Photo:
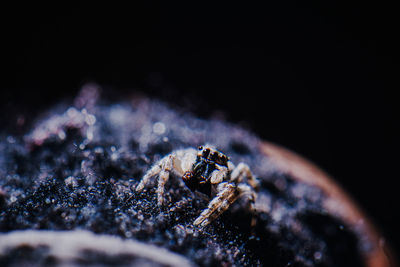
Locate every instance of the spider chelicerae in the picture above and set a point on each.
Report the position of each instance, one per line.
(208, 171)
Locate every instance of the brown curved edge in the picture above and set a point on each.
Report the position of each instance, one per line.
(337, 203)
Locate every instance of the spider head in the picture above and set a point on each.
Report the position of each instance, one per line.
(198, 178)
(211, 155)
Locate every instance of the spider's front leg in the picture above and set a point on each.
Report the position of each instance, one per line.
(162, 168)
(228, 193)
(243, 171)
(247, 182)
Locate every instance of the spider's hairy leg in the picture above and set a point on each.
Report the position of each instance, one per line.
(147, 177)
(161, 168)
(218, 175)
(226, 196)
(243, 171)
(249, 192)
(251, 195)
(163, 178)
(250, 188)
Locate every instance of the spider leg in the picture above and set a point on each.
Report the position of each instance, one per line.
(243, 171)
(249, 189)
(162, 168)
(147, 177)
(250, 194)
(162, 180)
(226, 196)
(218, 175)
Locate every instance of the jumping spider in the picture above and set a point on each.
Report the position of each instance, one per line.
(207, 171)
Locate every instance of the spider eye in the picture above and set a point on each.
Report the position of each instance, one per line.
(200, 148)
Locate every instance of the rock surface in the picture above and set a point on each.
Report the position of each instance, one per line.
(75, 168)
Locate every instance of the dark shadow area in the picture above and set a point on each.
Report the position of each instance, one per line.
(334, 232)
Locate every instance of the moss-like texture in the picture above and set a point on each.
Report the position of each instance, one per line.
(77, 165)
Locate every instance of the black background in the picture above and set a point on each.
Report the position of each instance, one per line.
(317, 78)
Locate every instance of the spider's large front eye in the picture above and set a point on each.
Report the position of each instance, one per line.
(200, 148)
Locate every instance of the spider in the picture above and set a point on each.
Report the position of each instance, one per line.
(209, 172)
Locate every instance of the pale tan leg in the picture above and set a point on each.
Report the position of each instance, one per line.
(218, 175)
(162, 180)
(251, 194)
(224, 199)
(163, 168)
(227, 195)
(147, 177)
(243, 171)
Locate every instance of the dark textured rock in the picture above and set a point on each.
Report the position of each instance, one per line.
(75, 168)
